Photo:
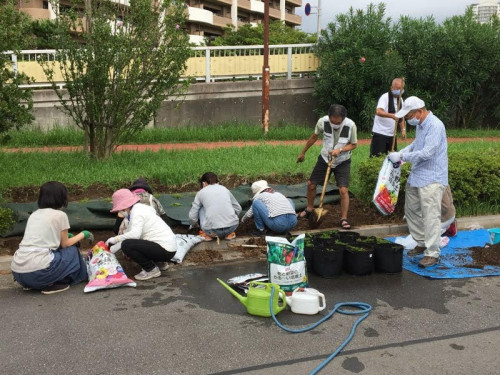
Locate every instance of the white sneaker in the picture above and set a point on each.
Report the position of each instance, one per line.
(163, 266)
(144, 275)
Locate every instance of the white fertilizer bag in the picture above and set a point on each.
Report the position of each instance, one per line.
(184, 243)
(387, 189)
(286, 262)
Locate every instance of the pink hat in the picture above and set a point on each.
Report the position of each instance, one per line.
(123, 199)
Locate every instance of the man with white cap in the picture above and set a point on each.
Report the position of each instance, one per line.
(428, 154)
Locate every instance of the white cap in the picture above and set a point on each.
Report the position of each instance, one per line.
(410, 104)
(259, 186)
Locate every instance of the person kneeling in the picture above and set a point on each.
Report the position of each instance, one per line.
(271, 210)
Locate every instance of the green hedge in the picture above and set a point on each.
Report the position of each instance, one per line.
(474, 178)
(6, 219)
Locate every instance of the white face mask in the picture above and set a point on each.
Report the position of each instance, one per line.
(413, 121)
(123, 213)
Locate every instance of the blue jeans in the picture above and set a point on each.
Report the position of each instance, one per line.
(279, 224)
(217, 232)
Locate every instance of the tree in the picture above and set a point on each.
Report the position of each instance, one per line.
(248, 35)
(15, 102)
(119, 64)
(357, 63)
(454, 67)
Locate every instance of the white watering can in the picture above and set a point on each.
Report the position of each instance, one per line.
(306, 301)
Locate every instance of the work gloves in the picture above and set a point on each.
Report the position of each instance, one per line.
(395, 157)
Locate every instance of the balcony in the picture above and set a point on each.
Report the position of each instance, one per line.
(37, 13)
(297, 3)
(274, 13)
(222, 21)
(227, 2)
(244, 4)
(200, 15)
(293, 19)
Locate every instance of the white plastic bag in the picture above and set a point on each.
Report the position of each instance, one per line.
(184, 243)
(104, 270)
(386, 192)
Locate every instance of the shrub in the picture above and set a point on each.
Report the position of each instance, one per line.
(474, 178)
(6, 219)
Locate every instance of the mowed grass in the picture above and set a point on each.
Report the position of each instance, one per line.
(182, 167)
(59, 136)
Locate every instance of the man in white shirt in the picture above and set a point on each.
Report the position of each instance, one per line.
(384, 124)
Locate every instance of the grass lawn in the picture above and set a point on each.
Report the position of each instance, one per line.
(175, 168)
(225, 132)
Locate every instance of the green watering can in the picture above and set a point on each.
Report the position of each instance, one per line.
(259, 296)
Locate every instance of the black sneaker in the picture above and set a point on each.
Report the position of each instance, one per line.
(55, 288)
(258, 233)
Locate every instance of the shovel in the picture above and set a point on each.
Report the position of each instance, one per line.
(318, 214)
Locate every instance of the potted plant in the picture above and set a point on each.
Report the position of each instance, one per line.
(308, 251)
(358, 259)
(348, 237)
(388, 257)
(328, 261)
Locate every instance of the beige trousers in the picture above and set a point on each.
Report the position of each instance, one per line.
(423, 215)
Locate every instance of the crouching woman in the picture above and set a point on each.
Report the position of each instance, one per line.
(147, 240)
(47, 258)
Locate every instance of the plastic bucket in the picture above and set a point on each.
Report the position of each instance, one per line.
(494, 235)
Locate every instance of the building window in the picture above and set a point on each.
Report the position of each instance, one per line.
(45, 5)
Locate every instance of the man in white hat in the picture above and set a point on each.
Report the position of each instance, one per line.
(428, 154)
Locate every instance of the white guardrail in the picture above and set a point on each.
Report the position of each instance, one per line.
(209, 64)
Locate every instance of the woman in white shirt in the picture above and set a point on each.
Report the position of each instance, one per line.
(147, 240)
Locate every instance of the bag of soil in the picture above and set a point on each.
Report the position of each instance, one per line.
(286, 262)
(387, 189)
(104, 270)
(185, 242)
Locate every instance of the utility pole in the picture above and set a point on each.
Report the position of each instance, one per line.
(319, 21)
(265, 71)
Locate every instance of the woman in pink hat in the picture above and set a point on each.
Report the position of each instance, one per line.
(148, 240)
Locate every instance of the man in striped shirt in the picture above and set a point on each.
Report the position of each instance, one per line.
(428, 154)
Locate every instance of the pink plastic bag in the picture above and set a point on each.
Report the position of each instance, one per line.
(104, 270)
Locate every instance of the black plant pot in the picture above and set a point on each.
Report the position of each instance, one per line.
(328, 262)
(358, 260)
(348, 237)
(388, 257)
(308, 255)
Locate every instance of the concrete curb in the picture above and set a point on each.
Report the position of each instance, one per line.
(464, 223)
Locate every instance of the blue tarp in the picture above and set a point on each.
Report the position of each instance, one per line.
(455, 261)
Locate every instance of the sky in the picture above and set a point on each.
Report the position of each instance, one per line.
(439, 9)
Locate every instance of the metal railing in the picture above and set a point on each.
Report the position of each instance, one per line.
(207, 64)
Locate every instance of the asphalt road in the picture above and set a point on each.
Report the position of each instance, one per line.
(185, 323)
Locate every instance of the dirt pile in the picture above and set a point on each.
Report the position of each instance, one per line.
(485, 256)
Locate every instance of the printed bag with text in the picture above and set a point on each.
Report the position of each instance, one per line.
(386, 192)
(104, 270)
(286, 262)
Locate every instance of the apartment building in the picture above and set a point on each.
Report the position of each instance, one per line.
(485, 9)
(206, 18)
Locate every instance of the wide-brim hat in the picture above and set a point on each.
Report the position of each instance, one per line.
(123, 199)
(141, 183)
(258, 187)
(411, 104)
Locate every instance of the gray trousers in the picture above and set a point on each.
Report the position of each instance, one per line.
(423, 215)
